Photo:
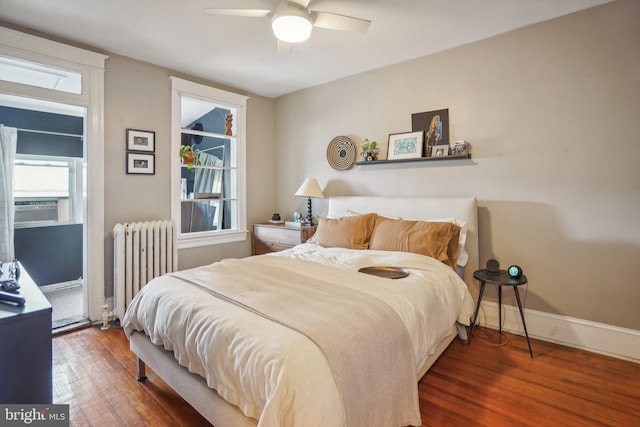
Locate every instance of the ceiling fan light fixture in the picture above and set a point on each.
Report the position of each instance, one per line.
(291, 28)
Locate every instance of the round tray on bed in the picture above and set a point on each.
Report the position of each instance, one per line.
(387, 272)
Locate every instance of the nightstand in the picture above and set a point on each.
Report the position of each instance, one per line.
(500, 279)
(269, 237)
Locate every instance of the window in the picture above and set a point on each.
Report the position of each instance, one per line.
(208, 170)
(47, 190)
(34, 74)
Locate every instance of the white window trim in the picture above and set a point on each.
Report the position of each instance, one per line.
(91, 66)
(181, 87)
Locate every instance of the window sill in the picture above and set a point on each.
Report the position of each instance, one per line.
(209, 238)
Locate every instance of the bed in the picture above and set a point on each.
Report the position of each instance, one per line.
(240, 339)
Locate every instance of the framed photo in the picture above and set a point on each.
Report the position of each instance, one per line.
(440, 151)
(459, 148)
(405, 145)
(141, 164)
(141, 140)
(435, 125)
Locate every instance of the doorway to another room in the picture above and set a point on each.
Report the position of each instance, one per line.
(45, 76)
(48, 199)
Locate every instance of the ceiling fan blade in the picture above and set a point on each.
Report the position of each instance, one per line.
(334, 21)
(251, 13)
(284, 47)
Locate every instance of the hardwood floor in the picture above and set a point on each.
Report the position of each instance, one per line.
(94, 372)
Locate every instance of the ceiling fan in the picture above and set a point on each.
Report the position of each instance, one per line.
(292, 21)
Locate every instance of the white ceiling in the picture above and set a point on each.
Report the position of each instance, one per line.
(241, 52)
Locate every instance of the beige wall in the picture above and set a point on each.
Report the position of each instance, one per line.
(138, 96)
(552, 113)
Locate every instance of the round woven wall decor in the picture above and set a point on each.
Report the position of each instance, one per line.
(341, 153)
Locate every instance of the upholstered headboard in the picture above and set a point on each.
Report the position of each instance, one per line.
(427, 208)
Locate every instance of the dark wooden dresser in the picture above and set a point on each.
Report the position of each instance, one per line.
(25, 348)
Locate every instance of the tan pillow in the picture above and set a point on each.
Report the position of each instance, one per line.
(351, 232)
(438, 240)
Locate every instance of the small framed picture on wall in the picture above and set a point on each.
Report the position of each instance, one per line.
(141, 140)
(141, 164)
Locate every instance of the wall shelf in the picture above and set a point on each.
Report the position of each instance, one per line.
(418, 159)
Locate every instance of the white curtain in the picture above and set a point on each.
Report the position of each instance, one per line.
(208, 180)
(8, 143)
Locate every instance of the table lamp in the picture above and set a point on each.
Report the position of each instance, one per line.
(309, 189)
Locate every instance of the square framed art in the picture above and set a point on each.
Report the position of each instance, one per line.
(141, 164)
(141, 140)
(405, 145)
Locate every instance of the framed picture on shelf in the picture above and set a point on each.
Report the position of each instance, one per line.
(440, 151)
(405, 145)
(141, 140)
(459, 148)
(435, 125)
(141, 164)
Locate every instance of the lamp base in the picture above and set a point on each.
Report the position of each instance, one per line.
(309, 211)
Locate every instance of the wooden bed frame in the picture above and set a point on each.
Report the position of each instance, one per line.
(193, 388)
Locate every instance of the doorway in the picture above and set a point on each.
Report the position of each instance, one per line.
(73, 76)
(48, 195)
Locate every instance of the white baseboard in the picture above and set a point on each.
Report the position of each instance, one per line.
(586, 335)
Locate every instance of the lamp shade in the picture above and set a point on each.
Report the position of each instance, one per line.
(310, 188)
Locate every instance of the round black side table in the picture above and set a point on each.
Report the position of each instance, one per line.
(500, 279)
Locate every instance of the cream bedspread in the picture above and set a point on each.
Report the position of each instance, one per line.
(276, 374)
